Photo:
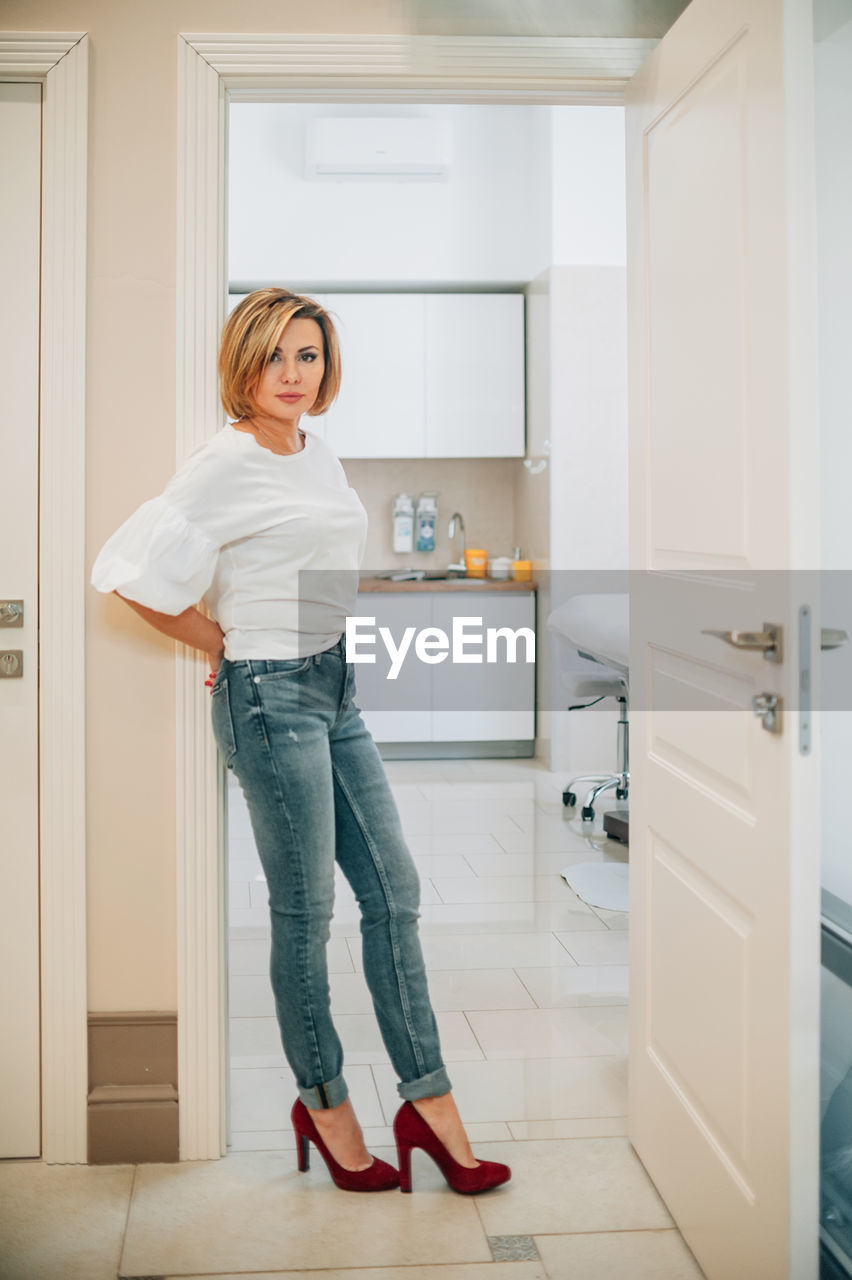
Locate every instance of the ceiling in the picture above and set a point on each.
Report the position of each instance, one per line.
(544, 17)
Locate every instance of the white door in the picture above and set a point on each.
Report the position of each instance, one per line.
(724, 849)
(20, 204)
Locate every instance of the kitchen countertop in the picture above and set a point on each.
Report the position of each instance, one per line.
(446, 584)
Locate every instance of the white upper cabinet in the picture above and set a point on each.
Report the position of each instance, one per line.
(380, 411)
(427, 375)
(474, 375)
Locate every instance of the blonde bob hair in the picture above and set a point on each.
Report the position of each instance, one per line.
(249, 337)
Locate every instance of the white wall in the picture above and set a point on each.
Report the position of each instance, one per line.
(588, 195)
(832, 64)
(487, 222)
(588, 402)
(589, 484)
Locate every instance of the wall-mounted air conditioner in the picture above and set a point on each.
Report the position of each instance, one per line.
(365, 147)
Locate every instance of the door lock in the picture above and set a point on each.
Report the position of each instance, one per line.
(11, 662)
(767, 707)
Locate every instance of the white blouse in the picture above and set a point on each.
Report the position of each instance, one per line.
(272, 543)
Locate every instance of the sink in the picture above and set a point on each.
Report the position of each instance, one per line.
(431, 575)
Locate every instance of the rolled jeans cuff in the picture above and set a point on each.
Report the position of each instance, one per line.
(431, 1086)
(320, 1097)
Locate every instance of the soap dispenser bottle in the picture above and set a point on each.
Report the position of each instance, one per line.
(403, 523)
(427, 518)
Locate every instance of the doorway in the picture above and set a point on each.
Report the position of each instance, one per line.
(498, 216)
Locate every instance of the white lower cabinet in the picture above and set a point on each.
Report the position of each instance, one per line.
(457, 700)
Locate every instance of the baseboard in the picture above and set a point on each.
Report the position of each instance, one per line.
(513, 748)
(133, 1098)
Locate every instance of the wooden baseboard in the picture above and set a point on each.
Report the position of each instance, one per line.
(132, 1103)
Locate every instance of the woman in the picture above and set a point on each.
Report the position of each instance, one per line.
(260, 522)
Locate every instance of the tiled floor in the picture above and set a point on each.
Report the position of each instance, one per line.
(530, 987)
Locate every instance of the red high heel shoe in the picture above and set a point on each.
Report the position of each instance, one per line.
(380, 1176)
(411, 1130)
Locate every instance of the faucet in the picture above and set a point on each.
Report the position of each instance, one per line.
(459, 566)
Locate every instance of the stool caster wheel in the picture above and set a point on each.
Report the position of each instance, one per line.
(588, 813)
(569, 799)
(619, 794)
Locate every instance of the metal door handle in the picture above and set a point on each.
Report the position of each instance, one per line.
(832, 639)
(767, 641)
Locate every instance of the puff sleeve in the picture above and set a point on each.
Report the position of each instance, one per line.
(164, 555)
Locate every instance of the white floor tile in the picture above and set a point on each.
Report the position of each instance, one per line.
(519, 792)
(430, 865)
(477, 989)
(561, 987)
(375, 1136)
(573, 1127)
(613, 919)
(511, 889)
(551, 1033)
(527, 1089)
(506, 917)
(243, 868)
(494, 951)
(592, 947)
(238, 894)
(252, 1211)
(62, 1222)
(576, 1184)
(461, 845)
(503, 864)
(641, 1255)
(250, 996)
(362, 1042)
(349, 992)
(261, 1097)
(249, 918)
(442, 1271)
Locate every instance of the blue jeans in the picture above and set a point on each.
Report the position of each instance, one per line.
(316, 790)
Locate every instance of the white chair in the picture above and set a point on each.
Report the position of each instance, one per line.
(597, 626)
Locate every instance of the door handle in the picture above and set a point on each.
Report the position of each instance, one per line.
(832, 639)
(767, 641)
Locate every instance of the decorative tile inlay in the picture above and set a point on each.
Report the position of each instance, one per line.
(513, 1248)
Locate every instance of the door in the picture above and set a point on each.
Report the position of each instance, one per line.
(379, 411)
(475, 375)
(724, 934)
(20, 204)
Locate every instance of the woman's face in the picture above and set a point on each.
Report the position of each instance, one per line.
(291, 380)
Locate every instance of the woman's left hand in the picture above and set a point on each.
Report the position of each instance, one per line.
(215, 662)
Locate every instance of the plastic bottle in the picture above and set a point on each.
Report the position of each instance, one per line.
(403, 523)
(521, 569)
(427, 516)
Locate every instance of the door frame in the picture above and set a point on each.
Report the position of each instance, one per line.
(59, 62)
(212, 69)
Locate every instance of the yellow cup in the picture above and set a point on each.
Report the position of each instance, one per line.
(522, 570)
(475, 561)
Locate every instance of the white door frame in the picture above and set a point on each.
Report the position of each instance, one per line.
(292, 68)
(59, 62)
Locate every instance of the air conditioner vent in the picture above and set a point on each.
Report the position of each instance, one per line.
(378, 147)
